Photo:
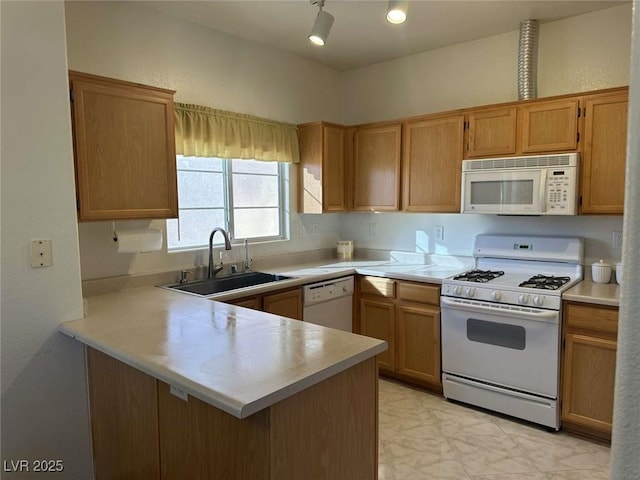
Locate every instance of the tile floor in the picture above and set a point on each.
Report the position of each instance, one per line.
(423, 436)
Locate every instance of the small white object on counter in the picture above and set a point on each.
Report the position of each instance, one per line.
(601, 272)
(619, 273)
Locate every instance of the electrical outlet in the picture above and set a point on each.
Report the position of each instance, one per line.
(372, 229)
(314, 229)
(439, 230)
(41, 253)
(616, 240)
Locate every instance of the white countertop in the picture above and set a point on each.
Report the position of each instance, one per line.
(238, 360)
(327, 269)
(588, 291)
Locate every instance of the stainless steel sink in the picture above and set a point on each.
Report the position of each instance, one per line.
(226, 283)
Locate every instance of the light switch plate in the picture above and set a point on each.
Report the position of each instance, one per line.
(41, 253)
(181, 394)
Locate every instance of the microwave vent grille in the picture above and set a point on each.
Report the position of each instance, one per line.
(518, 162)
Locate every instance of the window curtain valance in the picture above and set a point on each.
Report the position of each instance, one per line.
(207, 132)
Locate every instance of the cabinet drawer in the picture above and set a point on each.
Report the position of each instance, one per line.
(592, 317)
(415, 292)
(380, 287)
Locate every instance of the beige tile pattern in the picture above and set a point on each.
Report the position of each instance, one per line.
(423, 436)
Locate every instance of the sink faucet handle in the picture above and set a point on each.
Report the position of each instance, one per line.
(184, 274)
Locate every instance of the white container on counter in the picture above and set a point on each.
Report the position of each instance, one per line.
(619, 273)
(345, 249)
(601, 272)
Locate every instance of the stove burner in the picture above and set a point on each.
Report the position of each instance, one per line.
(545, 282)
(481, 276)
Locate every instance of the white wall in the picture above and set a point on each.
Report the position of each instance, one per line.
(416, 232)
(44, 411)
(205, 67)
(587, 52)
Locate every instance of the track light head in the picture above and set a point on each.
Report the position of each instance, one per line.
(321, 26)
(397, 11)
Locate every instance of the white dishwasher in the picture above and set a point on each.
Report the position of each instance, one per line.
(329, 303)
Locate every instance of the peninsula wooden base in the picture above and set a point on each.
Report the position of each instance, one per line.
(140, 430)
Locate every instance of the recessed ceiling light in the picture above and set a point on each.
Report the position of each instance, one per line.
(397, 11)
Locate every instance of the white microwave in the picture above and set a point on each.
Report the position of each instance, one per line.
(536, 185)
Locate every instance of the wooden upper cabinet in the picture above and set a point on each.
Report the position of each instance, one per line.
(549, 126)
(492, 132)
(526, 128)
(604, 153)
(322, 170)
(376, 169)
(124, 148)
(432, 164)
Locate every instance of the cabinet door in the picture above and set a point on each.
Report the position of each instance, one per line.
(432, 164)
(124, 146)
(604, 153)
(322, 169)
(251, 302)
(377, 168)
(286, 304)
(419, 343)
(492, 132)
(333, 169)
(377, 320)
(589, 362)
(549, 126)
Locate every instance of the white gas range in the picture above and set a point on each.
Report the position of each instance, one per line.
(501, 325)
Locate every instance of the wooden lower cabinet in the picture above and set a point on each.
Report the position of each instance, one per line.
(378, 320)
(418, 343)
(589, 365)
(141, 430)
(407, 316)
(286, 303)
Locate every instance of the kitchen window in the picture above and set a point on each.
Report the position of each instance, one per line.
(245, 197)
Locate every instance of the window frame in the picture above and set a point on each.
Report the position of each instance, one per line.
(282, 176)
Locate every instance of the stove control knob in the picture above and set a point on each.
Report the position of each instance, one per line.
(523, 298)
(470, 291)
(457, 290)
(496, 295)
(537, 300)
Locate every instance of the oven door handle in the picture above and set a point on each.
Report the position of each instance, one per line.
(550, 316)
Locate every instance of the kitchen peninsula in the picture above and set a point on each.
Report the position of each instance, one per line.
(185, 387)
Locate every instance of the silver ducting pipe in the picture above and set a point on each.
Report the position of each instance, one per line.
(528, 60)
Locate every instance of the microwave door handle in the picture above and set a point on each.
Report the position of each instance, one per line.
(543, 191)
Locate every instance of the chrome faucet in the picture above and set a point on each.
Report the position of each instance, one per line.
(227, 246)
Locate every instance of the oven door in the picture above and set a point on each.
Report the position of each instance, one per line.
(504, 345)
(507, 192)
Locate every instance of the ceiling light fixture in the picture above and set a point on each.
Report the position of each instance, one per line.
(322, 25)
(397, 11)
